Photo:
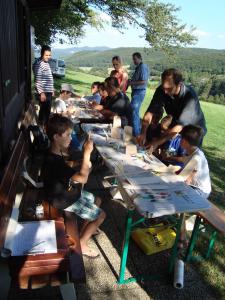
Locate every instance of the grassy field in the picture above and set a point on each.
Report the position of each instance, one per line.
(214, 147)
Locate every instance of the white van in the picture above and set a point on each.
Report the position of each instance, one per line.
(58, 67)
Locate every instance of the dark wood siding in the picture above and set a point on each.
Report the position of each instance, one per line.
(14, 69)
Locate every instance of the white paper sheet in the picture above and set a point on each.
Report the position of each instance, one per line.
(35, 237)
(178, 198)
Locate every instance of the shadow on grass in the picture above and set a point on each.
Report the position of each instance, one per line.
(74, 82)
(217, 170)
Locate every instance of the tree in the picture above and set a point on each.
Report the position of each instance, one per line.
(70, 19)
(162, 28)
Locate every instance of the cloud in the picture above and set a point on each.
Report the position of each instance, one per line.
(221, 36)
(201, 33)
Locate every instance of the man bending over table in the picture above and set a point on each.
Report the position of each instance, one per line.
(179, 100)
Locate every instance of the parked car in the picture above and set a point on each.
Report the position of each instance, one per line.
(58, 67)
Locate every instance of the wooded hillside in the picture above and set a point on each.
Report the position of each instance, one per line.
(203, 68)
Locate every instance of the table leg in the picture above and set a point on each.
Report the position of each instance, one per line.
(174, 249)
(125, 246)
(211, 244)
(193, 239)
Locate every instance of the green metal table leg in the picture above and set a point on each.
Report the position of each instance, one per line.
(174, 249)
(193, 239)
(211, 244)
(125, 246)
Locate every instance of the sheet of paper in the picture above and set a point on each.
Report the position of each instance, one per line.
(131, 149)
(116, 133)
(35, 237)
(180, 199)
(117, 122)
(127, 134)
(145, 179)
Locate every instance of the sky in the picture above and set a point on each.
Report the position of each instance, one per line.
(206, 15)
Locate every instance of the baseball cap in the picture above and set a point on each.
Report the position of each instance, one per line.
(67, 87)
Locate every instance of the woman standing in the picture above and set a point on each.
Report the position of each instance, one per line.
(44, 84)
(120, 73)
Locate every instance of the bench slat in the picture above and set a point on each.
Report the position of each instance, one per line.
(43, 263)
(77, 270)
(215, 217)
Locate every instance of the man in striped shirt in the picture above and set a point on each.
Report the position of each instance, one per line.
(44, 84)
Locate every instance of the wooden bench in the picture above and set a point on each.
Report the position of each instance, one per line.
(214, 217)
(68, 258)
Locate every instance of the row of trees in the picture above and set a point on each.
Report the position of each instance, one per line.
(210, 88)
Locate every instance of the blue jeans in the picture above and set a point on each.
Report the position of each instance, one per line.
(137, 98)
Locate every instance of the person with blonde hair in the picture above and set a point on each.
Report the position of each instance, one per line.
(120, 73)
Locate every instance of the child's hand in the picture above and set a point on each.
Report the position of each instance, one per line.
(165, 155)
(88, 146)
(93, 103)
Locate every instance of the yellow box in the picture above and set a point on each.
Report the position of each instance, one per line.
(154, 239)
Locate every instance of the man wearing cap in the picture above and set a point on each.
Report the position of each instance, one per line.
(66, 92)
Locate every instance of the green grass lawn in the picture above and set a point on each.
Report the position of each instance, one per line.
(214, 147)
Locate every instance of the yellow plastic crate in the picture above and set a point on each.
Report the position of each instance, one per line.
(154, 239)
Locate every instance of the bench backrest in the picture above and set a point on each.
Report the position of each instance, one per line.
(9, 184)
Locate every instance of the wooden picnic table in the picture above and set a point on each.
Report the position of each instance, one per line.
(181, 198)
(84, 113)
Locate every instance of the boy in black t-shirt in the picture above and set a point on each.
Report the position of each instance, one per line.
(63, 181)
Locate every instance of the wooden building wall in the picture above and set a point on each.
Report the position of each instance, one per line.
(15, 68)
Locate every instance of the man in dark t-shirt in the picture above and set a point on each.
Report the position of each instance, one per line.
(179, 101)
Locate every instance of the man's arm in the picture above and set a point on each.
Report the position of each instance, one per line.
(155, 106)
(145, 123)
(171, 132)
(97, 106)
(38, 82)
(108, 113)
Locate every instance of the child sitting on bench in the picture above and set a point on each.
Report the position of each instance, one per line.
(196, 170)
(63, 181)
(95, 97)
(61, 103)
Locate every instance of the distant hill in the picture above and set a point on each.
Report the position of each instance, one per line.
(186, 59)
(63, 53)
(204, 69)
